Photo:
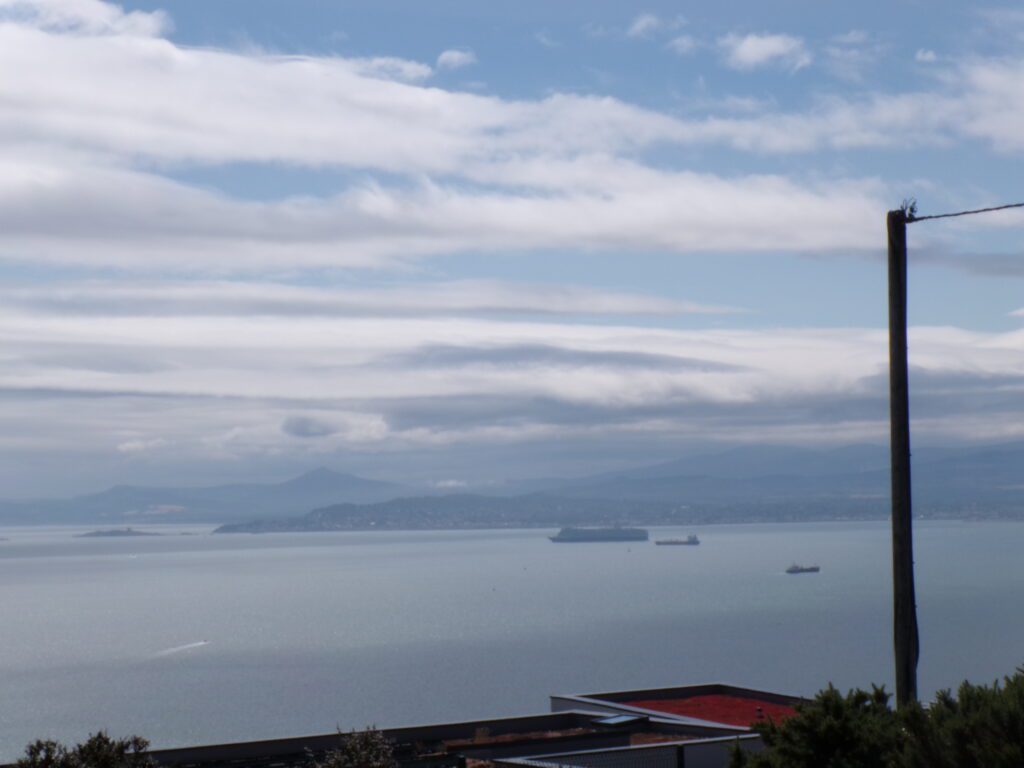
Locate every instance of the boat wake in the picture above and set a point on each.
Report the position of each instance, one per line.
(180, 648)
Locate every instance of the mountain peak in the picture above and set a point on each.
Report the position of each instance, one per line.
(319, 477)
(324, 479)
(320, 472)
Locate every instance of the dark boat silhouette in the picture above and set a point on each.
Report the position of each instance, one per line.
(689, 541)
(794, 568)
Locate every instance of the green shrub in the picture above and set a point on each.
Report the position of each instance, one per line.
(359, 749)
(857, 730)
(981, 727)
(98, 751)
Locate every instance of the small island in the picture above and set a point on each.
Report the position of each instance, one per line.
(115, 533)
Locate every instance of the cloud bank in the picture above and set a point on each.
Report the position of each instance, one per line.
(199, 384)
(198, 316)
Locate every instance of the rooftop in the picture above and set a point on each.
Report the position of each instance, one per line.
(712, 705)
(719, 708)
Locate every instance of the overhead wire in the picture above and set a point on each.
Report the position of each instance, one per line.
(912, 217)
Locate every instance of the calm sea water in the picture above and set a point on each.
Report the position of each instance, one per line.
(200, 639)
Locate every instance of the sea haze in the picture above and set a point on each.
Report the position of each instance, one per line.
(200, 639)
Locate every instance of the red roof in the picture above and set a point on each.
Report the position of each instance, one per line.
(720, 708)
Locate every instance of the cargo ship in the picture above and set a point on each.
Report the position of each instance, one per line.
(794, 568)
(689, 541)
(578, 535)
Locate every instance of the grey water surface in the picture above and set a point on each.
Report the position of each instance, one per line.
(204, 639)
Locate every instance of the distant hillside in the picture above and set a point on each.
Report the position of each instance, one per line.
(992, 476)
(532, 511)
(747, 483)
(453, 511)
(211, 504)
(744, 485)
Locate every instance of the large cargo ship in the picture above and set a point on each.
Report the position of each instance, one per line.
(577, 535)
(794, 568)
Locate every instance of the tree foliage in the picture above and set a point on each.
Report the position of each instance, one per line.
(857, 730)
(98, 751)
(982, 726)
(359, 749)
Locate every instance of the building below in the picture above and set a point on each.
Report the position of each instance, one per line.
(714, 704)
(692, 726)
(721, 709)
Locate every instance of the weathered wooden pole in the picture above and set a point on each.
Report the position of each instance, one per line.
(904, 604)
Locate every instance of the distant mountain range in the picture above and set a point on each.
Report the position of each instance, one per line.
(747, 483)
(210, 504)
(943, 478)
(540, 511)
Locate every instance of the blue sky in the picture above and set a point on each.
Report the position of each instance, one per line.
(459, 242)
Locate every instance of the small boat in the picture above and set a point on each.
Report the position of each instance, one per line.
(794, 568)
(689, 541)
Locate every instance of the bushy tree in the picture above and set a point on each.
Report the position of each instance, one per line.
(98, 751)
(359, 749)
(857, 730)
(980, 727)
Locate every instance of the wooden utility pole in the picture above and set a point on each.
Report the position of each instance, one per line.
(904, 604)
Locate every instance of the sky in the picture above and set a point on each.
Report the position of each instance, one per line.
(454, 243)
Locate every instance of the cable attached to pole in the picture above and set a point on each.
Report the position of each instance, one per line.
(912, 216)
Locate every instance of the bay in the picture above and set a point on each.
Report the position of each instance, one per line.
(205, 639)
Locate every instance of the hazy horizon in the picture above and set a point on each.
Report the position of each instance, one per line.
(387, 472)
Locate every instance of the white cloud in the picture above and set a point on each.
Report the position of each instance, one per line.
(1004, 21)
(95, 117)
(648, 24)
(992, 105)
(228, 386)
(141, 446)
(138, 221)
(895, 120)
(853, 37)
(267, 299)
(390, 68)
(851, 55)
(644, 25)
(107, 119)
(545, 38)
(747, 52)
(154, 100)
(455, 58)
(925, 56)
(734, 104)
(149, 98)
(92, 17)
(594, 30)
(683, 44)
